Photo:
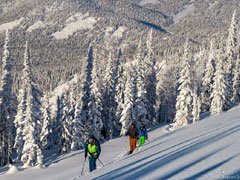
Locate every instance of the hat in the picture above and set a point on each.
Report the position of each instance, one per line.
(90, 137)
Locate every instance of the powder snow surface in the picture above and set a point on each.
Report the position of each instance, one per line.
(206, 150)
(75, 23)
(36, 25)
(10, 25)
(144, 2)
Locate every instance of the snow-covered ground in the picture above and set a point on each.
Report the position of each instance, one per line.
(10, 25)
(144, 2)
(74, 23)
(36, 25)
(205, 150)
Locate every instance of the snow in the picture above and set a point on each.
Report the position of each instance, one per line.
(10, 25)
(36, 25)
(119, 32)
(187, 10)
(75, 23)
(208, 149)
(145, 2)
(12, 169)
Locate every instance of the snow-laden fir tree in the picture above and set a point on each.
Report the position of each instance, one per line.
(231, 45)
(109, 94)
(141, 101)
(86, 91)
(218, 95)
(31, 152)
(94, 121)
(46, 136)
(236, 82)
(207, 81)
(120, 87)
(150, 80)
(6, 106)
(128, 112)
(65, 125)
(72, 100)
(184, 98)
(231, 51)
(19, 120)
(196, 107)
(78, 130)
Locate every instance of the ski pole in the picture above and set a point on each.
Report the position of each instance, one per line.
(83, 165)
(100, 162)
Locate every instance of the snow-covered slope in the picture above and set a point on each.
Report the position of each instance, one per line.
(208, 149)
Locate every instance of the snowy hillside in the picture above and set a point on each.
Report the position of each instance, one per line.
(208, 149)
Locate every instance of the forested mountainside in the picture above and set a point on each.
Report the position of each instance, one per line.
(56, 57)
(75, 68)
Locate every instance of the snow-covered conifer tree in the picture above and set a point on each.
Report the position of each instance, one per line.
(109, 94)
(65, 125)
(128, 112)
(6, 106)
(150, 80)
(207, 81)
(218, 95)
(31, 152)
(46, 136)
(141, 101)
(184, 98)
(196, 107)
(236, 82)
(120, 87)
(86, 85)
(78, 129)
(231, 51)
(94, 121)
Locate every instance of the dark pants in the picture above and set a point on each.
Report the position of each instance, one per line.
(92, 163)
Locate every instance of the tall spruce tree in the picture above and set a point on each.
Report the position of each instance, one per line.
(65, 125)
(128, 114)
(6, 106)
(184, 98)
(109, 94)
(47, 126)
(196, 107)
(94, 121)
(142, 102)
(78, 129)
(218, 95)
(31, 152)
(231, 52)
(150, 80)
(86, 92)
(236, 82)
(207, 81)
(120, 88)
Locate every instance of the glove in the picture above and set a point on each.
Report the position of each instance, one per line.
(85, 156)
(97, 156)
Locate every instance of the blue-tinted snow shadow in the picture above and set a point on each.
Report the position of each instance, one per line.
(3, 169)
(155, 161)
